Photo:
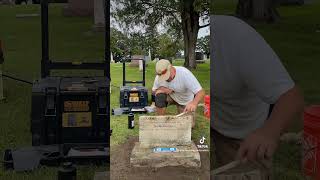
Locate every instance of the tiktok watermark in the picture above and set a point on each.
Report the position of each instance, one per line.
(203, 146)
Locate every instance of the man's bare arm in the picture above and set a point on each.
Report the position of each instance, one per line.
(192, 106)
(263, 142)
(199, 96)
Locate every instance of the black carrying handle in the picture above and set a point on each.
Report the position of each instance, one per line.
(124, 81)
(47, 65)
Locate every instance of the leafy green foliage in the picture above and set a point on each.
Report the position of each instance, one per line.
(118, 44)
(166, 15)
(168, 48)
(203, 45)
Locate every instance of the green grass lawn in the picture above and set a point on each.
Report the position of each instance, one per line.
(296, 40)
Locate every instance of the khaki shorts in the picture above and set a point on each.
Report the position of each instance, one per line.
(180, 108)
(223, 151)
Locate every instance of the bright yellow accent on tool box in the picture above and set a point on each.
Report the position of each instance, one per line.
(78, 119)
(71, 106)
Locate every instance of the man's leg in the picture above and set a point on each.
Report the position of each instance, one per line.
(224, 150)
(161, 103)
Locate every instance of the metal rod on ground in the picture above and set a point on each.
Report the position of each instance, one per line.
(1, 84)
(16, 79)
(1, 66)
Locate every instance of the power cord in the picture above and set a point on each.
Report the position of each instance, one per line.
(17, 79)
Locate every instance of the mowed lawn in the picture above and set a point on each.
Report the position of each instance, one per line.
(296, 40)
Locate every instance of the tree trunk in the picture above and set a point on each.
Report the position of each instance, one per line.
(262, 10)
(190, 26)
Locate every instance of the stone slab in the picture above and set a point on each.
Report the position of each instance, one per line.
(165, 130)
(186, 155)
(99, 12)
(79, 8)
(136, 63)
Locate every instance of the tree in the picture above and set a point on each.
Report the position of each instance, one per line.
(262, 10)
(203, 45)
(118, 43)
(137, 43)
(180, 17)
(167, 48)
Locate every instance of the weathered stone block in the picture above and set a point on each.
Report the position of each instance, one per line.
(165, 130)
(185, 155)
(79, 8)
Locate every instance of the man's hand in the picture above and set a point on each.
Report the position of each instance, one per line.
(259, 145)
(164, 90)
(191, 107)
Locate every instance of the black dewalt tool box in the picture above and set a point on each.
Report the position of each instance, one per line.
(70, 110)
(133, 96)
(70, 115)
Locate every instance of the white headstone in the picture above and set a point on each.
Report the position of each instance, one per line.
(99, 20)
(149, 55)
(140, 65)
(165, 130)
(160, 133)
(111, 58)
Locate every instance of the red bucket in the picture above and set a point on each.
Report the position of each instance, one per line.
(207, 106)
(311, 142)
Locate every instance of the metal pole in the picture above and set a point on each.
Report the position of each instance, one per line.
(107, 38)
(123, 72)
(1, 66)
(144, 73)
(45, 38)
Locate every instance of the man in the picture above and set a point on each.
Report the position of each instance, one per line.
(178, 86)
(247, 78)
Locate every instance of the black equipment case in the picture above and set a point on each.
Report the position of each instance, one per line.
(133, 96)
(70, 111)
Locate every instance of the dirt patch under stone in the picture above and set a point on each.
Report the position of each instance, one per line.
(122, 170)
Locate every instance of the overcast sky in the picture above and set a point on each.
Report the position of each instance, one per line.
(202, 32)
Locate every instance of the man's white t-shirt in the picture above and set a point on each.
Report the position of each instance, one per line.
(184, 85)
(247, 76)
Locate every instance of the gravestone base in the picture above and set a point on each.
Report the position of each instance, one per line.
(185, 155)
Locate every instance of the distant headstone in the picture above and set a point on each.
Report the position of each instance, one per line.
(7, 2)
(99, 20)
(134, 62)
(111, 58)
(199, 56)
(79, 8)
